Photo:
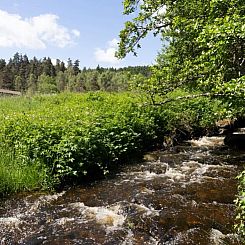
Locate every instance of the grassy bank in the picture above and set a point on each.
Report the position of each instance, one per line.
(58, 138)
(17, 175)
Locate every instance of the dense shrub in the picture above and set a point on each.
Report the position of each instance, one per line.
(75, 134)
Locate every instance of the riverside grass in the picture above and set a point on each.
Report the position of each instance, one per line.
(16, 175)
(54, 138)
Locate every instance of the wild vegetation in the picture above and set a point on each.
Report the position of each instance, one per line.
(66, 137)
(18, 175)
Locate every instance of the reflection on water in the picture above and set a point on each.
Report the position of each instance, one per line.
(178, 197)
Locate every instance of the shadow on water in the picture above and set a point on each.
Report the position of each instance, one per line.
(176, 197)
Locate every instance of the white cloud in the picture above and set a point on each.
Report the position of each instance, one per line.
(113, 43)
(107, 55)
(34, 33)
(75, 32)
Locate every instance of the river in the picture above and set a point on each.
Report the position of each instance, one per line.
(176, 197)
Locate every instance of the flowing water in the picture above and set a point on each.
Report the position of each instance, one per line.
(181, 196)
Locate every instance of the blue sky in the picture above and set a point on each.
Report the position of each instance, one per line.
(78, 29)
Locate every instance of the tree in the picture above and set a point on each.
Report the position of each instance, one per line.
(76, 68)
(80, 82)
(33, 75)
(35, 67)
(69, 63)
(23, 71)
(16, 60)
(32, 84)
(91, 83)
(2, 64)
(204, 43)
(48, 67)
(7, 78)
(18, 83)
(62, 66)
(61, 81)
(46, 84)
(104, 80)
(120, 80)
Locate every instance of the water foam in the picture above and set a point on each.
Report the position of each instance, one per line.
(110, 216)
(216, 237)
(10, 221)
(43, 200)
(64, 220)
(208, 141)
(147, 211)
(175, 174)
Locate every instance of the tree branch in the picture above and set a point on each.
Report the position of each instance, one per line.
(193, 96)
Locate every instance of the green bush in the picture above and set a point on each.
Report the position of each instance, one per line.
(72, 135)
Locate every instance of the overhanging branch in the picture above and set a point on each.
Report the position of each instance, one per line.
(193, 96)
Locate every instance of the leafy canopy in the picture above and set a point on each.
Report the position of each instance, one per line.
(204, 43)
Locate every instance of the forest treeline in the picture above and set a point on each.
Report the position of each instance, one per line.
(40, 75)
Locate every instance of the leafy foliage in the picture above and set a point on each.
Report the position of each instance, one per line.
(73, 135)
(240, 203)
(77, 134)
(204, 43)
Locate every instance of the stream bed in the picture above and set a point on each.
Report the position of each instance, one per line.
(176, 197)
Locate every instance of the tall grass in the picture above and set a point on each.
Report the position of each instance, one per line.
(17, 175)
(10, 104)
